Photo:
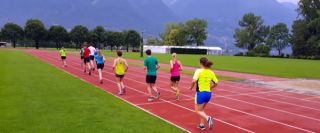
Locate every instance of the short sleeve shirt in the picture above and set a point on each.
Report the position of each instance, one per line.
(151, 64)
(62, 52)
(204, 77)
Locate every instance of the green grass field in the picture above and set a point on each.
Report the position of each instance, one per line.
(38, 98)
(289, 68)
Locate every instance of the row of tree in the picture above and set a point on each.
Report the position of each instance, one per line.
(35, 30)
(259, 38)
(180, 34)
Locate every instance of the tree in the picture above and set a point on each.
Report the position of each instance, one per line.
(97, 36)
(131, 38)
(35, 30)
(12, 32)
(58, 34)
(309, 9)
(306, 31)
(79, 34)
(175, 34)
(196, 30)
(154, 41)
(252, 32)
(114, 39)
(278, 37)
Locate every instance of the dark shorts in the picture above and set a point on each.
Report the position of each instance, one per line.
(81, 57)
(91, 57)
(119, 76)
(100, 66)
(175, 78)
(86, 60)
(151, 79)
(202, 97)
(63, 57)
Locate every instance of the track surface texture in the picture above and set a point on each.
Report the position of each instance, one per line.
(236, 107)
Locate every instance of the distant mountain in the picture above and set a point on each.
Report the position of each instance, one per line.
(223, 15)
(147, 15)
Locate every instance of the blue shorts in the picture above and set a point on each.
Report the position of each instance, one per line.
(202, 97)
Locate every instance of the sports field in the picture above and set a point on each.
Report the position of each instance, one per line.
(288, 68)
(35, 97)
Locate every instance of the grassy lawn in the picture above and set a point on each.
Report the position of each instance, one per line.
(36, 97)
(289, 68)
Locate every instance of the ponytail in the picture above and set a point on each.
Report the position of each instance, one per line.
(205, 62)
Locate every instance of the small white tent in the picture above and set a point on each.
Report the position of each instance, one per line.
(167, 49)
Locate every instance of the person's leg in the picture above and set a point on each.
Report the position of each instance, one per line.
(153, 86)
(172, 86)
(119, 86)
(65, 62)
(149, 87)
(100, 74)
(122, 85)
(199, 110)
(89, 67)
(177, 90)
(62, 61)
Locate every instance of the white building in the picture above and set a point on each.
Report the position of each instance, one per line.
(167, 49)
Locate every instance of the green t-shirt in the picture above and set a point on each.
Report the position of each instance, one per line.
(62, 53)
(151, 64)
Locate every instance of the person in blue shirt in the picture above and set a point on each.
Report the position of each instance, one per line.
(100, 64)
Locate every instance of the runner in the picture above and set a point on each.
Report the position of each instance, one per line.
(81, 55)
(203, 78)
(120, 66)
(63, 55)
(151, 66)
(92, 50)
(86, 58)
(176, 67)
(100, 64)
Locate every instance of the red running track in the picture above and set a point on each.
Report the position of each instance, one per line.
(236, 107)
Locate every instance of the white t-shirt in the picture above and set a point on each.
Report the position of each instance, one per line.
(92, 50)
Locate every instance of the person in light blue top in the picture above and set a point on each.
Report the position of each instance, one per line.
(100, 64)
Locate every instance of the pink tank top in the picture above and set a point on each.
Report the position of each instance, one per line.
(175, 71)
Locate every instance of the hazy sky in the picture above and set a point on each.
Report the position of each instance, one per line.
(292, 1)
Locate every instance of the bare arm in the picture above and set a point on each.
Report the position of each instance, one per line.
(158, 67)
(181, 68)
(193, 83)
(214, 85)
(126, 64)
(171, 64)
(114, 64)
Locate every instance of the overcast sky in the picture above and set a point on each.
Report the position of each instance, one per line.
(292, 1)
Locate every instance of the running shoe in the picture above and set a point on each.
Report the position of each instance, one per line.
(150, 99)
(101, 81)
(210, 122)
(123, 91)
(201, 127)
(89, 72)
(158, 95)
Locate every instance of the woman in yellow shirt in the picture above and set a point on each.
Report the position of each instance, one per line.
(63, 55)
(205, 80)
(120, 66)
